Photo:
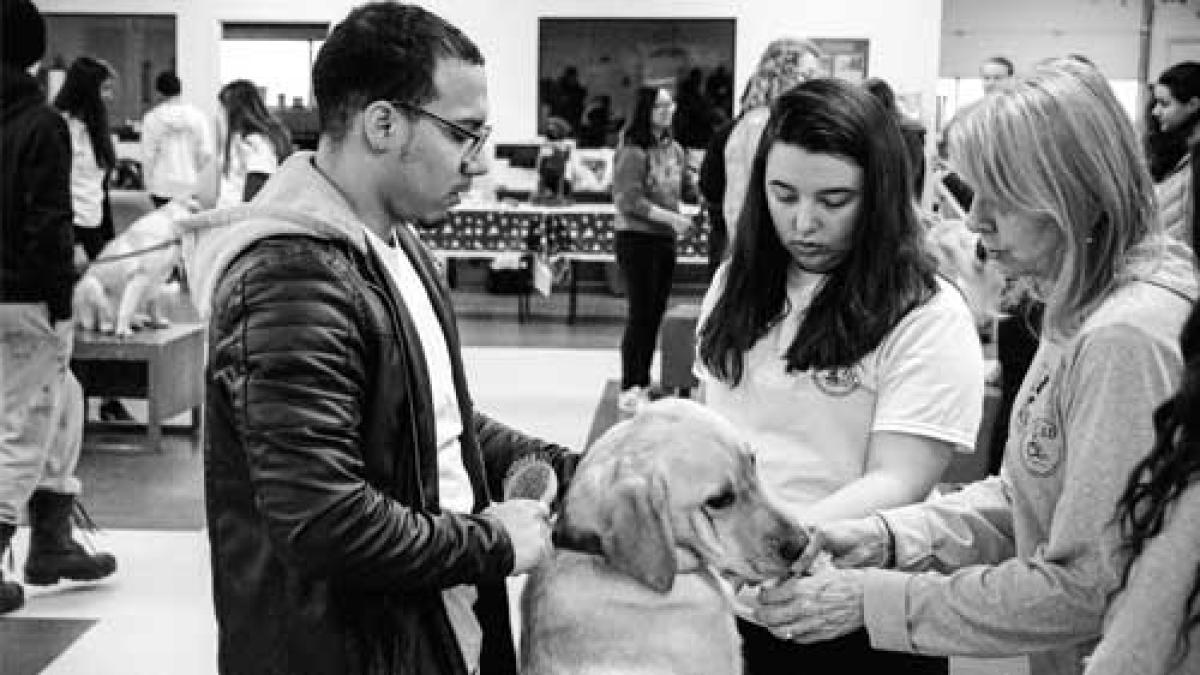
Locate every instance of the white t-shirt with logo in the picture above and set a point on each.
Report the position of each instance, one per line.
(811, 430)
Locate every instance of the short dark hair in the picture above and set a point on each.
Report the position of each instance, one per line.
(24, 36)
(383, 51)
(886, 273)
(1003, 61)
(167, 83)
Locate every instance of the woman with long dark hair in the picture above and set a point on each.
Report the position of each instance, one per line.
(1019, 564)
(89, 83)
(252, 142)
(1153, 624)
(829, 340)
(1174, 129)
(649, 181)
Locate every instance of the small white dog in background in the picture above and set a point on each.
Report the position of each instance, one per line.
(119, 293)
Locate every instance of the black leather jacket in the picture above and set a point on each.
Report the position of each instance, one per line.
(329, 549)
(36, 236)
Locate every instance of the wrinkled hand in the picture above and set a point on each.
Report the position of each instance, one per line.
(821, 607)
(860, 542)
(527, 523)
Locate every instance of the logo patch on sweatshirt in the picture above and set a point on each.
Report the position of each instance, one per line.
(1042, 449)
(837, 381)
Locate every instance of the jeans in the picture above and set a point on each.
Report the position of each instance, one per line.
(41, 407)
(647, 264)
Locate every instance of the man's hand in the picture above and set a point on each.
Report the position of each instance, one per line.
(527, 523)
(681, 224)
(861, 542)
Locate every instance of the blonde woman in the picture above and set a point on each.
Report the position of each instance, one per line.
(785, 63)
(1018, 563)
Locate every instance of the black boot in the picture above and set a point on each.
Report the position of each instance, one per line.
(53, 553)
(11, 595)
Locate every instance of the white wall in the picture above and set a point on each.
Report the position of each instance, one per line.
(1106, 31)
(904, 36)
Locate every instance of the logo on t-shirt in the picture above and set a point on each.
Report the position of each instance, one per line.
(837, 381)
(1042, 448)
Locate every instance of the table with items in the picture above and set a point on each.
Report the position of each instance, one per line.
(547, 234)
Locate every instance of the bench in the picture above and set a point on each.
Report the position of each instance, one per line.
(163, 366)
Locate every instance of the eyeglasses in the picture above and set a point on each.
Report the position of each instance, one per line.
(475, 138)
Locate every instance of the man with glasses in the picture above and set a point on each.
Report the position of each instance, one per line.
(349, 480)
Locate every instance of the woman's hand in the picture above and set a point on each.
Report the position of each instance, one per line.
(860, 542)
(821, 607)
(681, 224)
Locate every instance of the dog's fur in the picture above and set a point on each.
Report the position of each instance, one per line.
(119, 295)
(956, 250)
(670, 500)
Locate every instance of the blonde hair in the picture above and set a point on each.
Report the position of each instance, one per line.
(1056, 147)
(778, 70)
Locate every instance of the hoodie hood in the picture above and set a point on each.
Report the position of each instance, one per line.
(19, 91)
(1167, 262)
(175, 116)
(298, 200)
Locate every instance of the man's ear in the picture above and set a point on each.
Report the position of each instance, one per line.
(384, 127)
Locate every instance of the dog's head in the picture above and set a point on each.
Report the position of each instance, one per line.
(675, 488)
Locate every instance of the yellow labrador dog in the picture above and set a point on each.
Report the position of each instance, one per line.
(120, 290)
(659, 508)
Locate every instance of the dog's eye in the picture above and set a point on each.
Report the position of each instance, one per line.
(720, 501)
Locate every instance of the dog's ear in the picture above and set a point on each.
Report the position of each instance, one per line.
(638, 538)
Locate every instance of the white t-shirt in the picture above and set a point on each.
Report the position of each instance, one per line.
(87, 177)
(251, 153)
(811, 430)
(454, 485)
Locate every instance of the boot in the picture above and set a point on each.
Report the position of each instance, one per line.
(53, 553)
(11, 595)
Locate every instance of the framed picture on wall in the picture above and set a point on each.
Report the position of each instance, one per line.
(846, 58)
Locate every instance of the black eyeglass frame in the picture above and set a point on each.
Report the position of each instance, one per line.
(478, 136)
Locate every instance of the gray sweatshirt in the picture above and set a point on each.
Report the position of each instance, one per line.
(1017, 564)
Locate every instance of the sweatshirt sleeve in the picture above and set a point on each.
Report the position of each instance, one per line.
(1055, 594)
(629, 182)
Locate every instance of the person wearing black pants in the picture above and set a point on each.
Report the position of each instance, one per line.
(647, 264)
(650, 179)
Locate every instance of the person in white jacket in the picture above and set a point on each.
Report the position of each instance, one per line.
(1018, 564)
(176, 144)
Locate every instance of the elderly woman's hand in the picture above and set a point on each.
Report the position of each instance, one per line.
(824, 606)
(861, 542)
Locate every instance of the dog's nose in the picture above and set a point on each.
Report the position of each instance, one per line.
(791, 547)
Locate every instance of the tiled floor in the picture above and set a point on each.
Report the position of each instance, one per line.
(155, 615)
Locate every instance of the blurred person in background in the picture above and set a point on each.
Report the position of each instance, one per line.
(176, 143)
(650, 180)
(251, 142)
(41, 402)
(89, 85)
(785, 63)
(1175, 124)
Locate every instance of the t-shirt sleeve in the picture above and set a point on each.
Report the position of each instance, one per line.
(931, 374)
(260, 155)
